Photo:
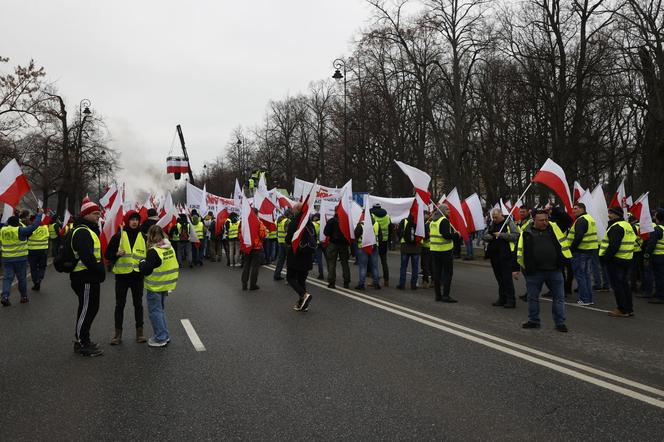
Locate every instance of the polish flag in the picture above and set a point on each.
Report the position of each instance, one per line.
(368, 234)
(285, 202)
(420, 180)
(456, 213)
(249, 225)
(641, 210)
(619, 198)
(305, 214)
(112, 223)
(107, 200)
(553, 176)
(13, 184)
(238, 195)
(629, 202)
(504, 209)
(65, 221)
(6, 213)
(601, 215)
(265, 205)
(472, 210)
(578, 191)
(222, 216)
(170, 216)
(345, 212)
(203, 207)
(417, 212)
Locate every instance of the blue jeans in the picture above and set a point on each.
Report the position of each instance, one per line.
(555, 282)
(600, 274)
(318, 259)
(157, 315)
(581, 263)
(197, 254)
(364, 259)
(657, 265)
(38, 261)
(281, 259)
(415, 270)
(18, 268)
(470, 252)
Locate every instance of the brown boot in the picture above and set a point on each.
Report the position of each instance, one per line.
(140, 338)
(118, 337)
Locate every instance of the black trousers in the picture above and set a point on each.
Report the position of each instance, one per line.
(382, 252)
(442, 268)
(334, 252)
(298, 280)
(88, 306)
(250, 266)
(37, 260)
(502, 270)
(425, 263)
(619, 277)
(569, 277)
(122, 286)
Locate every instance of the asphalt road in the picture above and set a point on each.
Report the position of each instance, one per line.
(377, 365)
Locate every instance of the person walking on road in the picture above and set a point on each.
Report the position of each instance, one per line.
(300, 261)
(617, 250)
(319, 253)
(583, 238)
(500, 249)
(542, 252)
(253, 256)
(38, 254)
(87, 276)
(199, 228)
(338, 248)
(160, 269)
(282, 247)
(654, 256)
(14, 238)
(125, 251)
(441, 235)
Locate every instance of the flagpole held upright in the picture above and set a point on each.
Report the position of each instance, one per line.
(514, 206)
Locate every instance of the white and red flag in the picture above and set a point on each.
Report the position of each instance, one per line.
(238, 194)
(420, 180)
(305, 214)
(264, 204)
(503, 208)
(222, 216)
(620, 197)
(456, 213)
(578, 191)
(13, 184)
(553, 176)
(65, 221)
(641, 210)
(170, 216)
(472, 210)
(6, 213)
(107, 200)
(368, 234)
(345, 212)
(112, 223)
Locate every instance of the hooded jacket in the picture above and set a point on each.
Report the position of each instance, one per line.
(83, 245)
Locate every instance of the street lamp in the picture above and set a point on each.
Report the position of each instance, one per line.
(83, 114)
(239, 159)
(340, 64)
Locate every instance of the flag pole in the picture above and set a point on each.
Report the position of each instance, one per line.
(509, 216)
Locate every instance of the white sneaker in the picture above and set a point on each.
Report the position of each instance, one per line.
(152, 342)
(584, 304)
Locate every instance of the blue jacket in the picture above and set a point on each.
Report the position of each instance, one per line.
(23, 234)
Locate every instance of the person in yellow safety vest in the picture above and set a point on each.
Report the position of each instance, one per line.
(232, 227)
(38, 254)
(653, 255)
(366, 258)
(501, 237)
(179, 235)
(640, 277)
(425, 253)
(385, 222)
(160, 269)
(318, 254)
(199, 228)
(524, 214)
(617, 251)
(125, 250)
(441, 236)
(14, 239)
(54, 234)
(282, 247)
(582, 238)
(270, 244)
(87, 276)
(541, 253)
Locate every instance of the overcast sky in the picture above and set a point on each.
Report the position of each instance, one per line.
(210, 65)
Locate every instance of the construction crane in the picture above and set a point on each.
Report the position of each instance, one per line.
(186, 156)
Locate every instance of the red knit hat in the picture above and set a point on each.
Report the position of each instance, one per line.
(89, 207)
(131, 214)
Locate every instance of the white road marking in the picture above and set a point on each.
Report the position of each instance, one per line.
(193, 336)
(517, 350)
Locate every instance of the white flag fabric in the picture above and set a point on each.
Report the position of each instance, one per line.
(107, 199)
(601, 214)
(6, 213)
(326, 211)
(171, 212)
(553, 176)
(203, 204)
(642, 209)
(475, 210)
(246, 227)
(238, 195)
(419, 178)
(397, 208)
(368, 234)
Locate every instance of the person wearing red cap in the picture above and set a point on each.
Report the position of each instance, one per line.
(125, 250)
(87, 276)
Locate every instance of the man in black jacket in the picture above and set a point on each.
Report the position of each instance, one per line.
(87, 277)
(500, 249)
(337, 249)
(153, 217)
(653, 255)
(300, 261)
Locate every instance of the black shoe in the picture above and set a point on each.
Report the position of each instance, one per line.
(509, 305)
(643, 296)
(90, 350)
(524, 298)
(562, 328)
(656, 301)
(305, 302)
(359, 287)
(449, 299)
(604, 289)
(438, 299)
(376, 286)
(321, 277)
(498, 304)
(278, 278)
(191, 266)
(254, 287)
(346, 285)
(5, 302)
(331, 285)
(244, 286)
(400, 287)
(413, 286)
(529, 324)
(37, 286)
(77, 346)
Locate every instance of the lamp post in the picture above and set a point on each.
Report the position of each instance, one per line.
(240, 169)
(340, 65)
(83, 114)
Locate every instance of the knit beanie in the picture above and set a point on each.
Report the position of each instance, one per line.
(89, 207)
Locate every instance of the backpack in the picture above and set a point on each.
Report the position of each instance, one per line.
(65, 261)
(409, 236)
(184, 232)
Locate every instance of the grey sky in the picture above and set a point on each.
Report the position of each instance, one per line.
(147, 65)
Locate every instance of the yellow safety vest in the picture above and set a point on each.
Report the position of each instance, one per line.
(512, 243)
(12, 246)
(426, 242)
(233, 229)
(523, 224)
(437, 242)
(626, 250)
(165, 277)
(281, 230)
(560, 236)
(638, 244)
(589, 241)
(199, 229)
(659, 247)
(316, 229)
(376, 229)
(384, 223)
(96, 248)
(272, 234)
(128, 262)
(39, 239)
(52, 234)
(176, 236)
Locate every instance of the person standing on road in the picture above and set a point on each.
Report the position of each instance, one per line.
(38, 254)
(300, 261)
(125, 251)
(183, 245)
(654, 256)
(282, 247)
(338, 248)
(410, 252)
(583, 238)
(160, 269)
(232, 227)
(318, 254)
(367, 259)
(383, 219)
(442, 234)
(524, 214)
(253, 256)
(541, 253)
(425, 254)
(14, 238)
(500, 249)
(153, 217)
(199, 228)
(617, 250)
(87, 276)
